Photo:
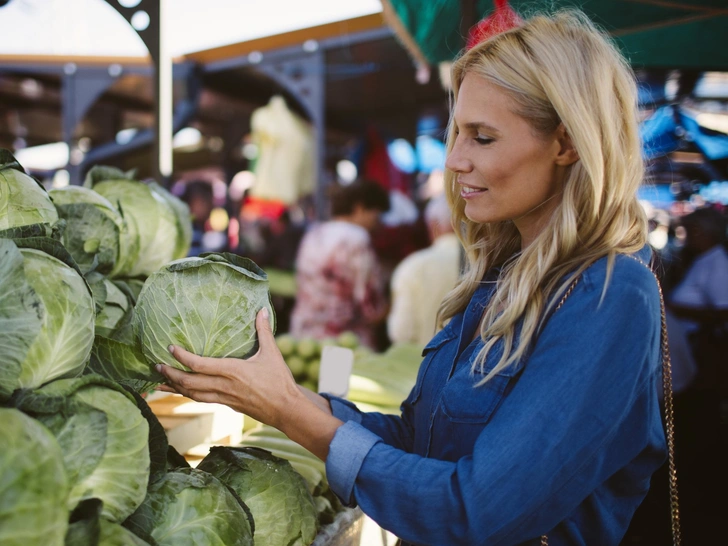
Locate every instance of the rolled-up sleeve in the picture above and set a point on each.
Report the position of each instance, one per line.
(347, 452)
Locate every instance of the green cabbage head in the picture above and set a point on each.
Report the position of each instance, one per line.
(96, 229)
(189, 507)
(104, 437)
(151, 217)
(33, 483)
(206, 305)
(46, 314)
(23, 200)
(278, 496)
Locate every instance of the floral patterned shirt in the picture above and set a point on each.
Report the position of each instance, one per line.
(340, 286)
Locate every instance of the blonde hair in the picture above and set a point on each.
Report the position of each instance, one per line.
(557, 69)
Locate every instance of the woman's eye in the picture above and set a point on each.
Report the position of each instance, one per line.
(483, 140)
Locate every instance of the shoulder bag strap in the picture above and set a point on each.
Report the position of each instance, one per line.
(669, 420)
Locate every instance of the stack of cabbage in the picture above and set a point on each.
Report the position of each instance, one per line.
(84, 460)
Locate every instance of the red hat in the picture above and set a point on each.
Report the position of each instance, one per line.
(501, 20)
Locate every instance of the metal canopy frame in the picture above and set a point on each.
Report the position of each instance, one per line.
(301, 70)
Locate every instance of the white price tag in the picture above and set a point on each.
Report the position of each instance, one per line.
(336, 366)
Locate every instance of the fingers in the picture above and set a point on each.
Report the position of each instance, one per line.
(266, 340)
(188, 383)
(198, 364)
(165, 388)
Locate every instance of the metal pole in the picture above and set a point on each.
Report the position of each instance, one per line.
(163, 103)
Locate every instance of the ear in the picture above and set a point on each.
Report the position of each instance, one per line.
(567, 154)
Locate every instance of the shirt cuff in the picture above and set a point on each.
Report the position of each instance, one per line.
(343, 409)
(347, 451)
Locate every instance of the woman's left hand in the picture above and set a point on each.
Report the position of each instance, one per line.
(261, 386)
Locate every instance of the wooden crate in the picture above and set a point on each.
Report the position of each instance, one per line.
(189, 424)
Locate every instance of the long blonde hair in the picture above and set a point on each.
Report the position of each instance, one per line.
(557, 69)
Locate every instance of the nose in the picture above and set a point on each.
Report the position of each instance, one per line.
(456, 160)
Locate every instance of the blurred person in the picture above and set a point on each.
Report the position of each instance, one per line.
(199, 197)
(340, 285)
(701, 297)
(282, 237)
(536, 410)
(421, 281)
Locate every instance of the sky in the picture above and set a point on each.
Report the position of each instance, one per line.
(93, 27)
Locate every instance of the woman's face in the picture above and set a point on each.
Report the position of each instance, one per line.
(504, 171)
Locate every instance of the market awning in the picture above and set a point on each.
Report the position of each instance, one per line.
(671, 128)
(652, 33)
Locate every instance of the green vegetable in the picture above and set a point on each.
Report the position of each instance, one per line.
(90, 529)
(182, 217)
(286, 344)
(308, 348)
(58, 299)
(189, 507)
(348, 339)
(96, 229)
(21, 315)
(33, 483)
(104, 439)
(149, 216)
(206, 305)
(113, 312)
(278, 497)
(23, 200)
(297, 365)
(312, 369)
(124, 364)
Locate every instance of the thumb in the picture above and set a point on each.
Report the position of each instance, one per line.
(266, 340)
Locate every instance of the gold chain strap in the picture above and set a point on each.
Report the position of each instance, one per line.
(669, 412)
(669, 422)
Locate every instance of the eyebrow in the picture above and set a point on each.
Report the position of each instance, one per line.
(480, 125)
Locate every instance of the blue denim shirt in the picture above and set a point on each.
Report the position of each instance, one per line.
(563, 443)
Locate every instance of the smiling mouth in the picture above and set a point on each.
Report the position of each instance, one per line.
(469, 191)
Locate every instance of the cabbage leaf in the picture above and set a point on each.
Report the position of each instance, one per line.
(33, 483)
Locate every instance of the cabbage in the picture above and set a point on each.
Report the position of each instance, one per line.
(206, 305)
(150, 216)
(115, 309)
(60, 299)
(33, 483)
(88, 528)
(182, 216)
(277, 495)
(123, 363)
(21, 315)
(96, 229)
(105, 440)
(23, 200)
(189, 507)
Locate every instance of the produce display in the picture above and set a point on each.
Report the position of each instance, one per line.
(277, 495)
(379, 381)
(94, 286)
(89, 279)
(303, 355)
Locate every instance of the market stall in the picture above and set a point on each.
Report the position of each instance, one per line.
(90, 300)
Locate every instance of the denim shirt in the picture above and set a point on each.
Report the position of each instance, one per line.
(563, 443)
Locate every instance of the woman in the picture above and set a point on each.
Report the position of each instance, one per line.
(536, 408)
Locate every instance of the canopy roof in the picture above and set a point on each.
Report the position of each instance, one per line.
(686, 34)
(94, 28)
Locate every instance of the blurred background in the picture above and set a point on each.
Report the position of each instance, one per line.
(256, 113)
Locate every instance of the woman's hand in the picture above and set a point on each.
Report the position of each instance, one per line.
(261, 387)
